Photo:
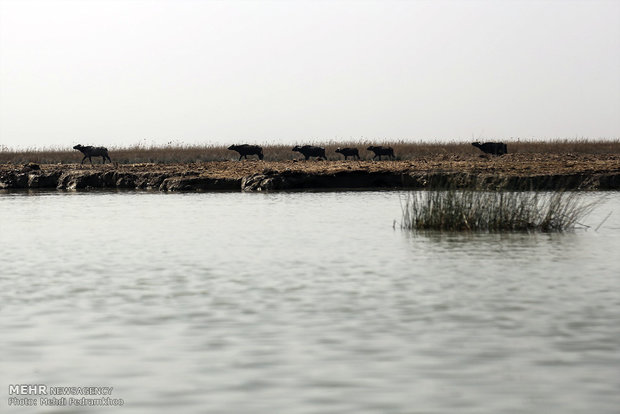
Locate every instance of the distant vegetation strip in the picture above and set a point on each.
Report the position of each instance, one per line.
(196, 153)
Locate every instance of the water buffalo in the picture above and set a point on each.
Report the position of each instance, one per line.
(90, 151)
(493, 148)
(379, 151)
(310, 151)
(349, 152)
(245, 149)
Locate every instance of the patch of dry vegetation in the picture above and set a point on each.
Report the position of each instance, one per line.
(471, 210)
(403, 150)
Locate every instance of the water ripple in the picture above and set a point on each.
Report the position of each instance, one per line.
(301, 303)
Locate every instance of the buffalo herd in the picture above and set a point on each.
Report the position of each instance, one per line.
(311, 151)
(308, 151)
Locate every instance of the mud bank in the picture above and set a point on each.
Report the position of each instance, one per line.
(592, 172)
(85, 180)
(426, 180)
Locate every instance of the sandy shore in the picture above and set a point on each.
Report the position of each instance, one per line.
(542, 171)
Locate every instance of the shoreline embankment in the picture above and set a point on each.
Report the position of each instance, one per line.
(511, 172)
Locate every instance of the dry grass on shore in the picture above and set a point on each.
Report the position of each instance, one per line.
(403, 151)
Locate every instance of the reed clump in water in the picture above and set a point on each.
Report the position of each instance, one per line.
(490, 211)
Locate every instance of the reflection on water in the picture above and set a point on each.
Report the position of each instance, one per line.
(303, 303)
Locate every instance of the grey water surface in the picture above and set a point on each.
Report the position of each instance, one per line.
(302, 303)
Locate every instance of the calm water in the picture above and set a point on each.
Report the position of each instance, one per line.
(302, 303)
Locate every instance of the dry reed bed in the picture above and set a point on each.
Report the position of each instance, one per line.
(403, 151)
(523, 164)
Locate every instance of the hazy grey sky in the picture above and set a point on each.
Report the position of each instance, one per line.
(120, 72)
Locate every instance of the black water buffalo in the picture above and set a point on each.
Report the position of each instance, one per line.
(245, 149)
(349, 152)
(89, 152)
(493, 148)
(379, 151)
(310, 151)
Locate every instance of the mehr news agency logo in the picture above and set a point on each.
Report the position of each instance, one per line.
(33, 395)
